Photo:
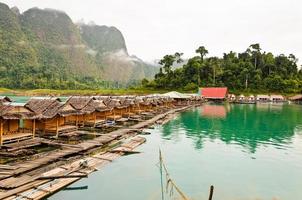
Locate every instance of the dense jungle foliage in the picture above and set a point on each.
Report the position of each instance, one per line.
(250, 71)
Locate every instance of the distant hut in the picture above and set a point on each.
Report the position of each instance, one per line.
(214, 93)
(241, 97)
(5, 99)
(231, 97)
(96, 113)
(130, 107)
(80, 103)
(53, 116)
(13, 116)
(262, 98)
(296, 98)
(251, 98)
(117, 109)
(179, 98)
(276, 98)
(147, 105)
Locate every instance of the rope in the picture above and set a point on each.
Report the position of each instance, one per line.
(170, 184)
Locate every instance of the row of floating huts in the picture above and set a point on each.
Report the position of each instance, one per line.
(221, 94)
(52, 116)
(253, 99)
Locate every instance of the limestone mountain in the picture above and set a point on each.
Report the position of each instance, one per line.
(45, 49)
(109, 47)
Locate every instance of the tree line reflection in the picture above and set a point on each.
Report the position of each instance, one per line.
(246, 125)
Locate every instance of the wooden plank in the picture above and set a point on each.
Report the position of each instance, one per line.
(63, 176)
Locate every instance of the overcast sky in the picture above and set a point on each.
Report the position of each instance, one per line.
(153, 28)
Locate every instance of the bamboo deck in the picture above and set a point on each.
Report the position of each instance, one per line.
(16, 137)
(28, 179)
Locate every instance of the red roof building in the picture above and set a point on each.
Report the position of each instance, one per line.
(214, 92)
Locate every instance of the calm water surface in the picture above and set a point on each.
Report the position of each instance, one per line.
(248, 152)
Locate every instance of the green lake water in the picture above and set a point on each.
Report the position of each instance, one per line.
(248, 152)
(24, 99)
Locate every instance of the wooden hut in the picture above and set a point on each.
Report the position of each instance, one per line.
(214, 93)
(53, 116)
(263, 98)
(276, 98)
(130, 107)
(179, 98)
(5, 99)
(147, 105)
(138, 107)
(251, 98)
(231, 97)
(296, 98)
(13, 118)
(85, 112)
(117, 109)
(241, 98)
(95, 113)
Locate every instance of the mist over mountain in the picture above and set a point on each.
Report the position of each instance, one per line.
(45, 49)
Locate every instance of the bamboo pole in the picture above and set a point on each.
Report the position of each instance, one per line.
(94, 119)
(1, 132)
(34, 128)
(211, 192)
(57, 128)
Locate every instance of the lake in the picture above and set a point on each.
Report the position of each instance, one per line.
(248, 152)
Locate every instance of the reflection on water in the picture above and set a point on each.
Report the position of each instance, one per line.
(246, 125)
(218, 111)
(253, 152)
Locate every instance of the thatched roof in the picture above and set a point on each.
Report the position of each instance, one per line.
(296, 97)
(138, 100)
(115, 103)
(4, 99)
(79, 102)
(16, 111)
(105, 99)
(40, 105)
(128, 102)
(176, 95)
(99, 105)
(59, 108)
(95, 105)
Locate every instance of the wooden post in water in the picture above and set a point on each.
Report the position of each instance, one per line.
(211, 192)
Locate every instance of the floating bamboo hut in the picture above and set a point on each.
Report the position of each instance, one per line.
(130, 107)
(117, 109)
(95, 113)
(296, 99)
(53, 116)
(13, 118)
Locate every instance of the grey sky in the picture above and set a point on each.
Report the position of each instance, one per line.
(154, 28)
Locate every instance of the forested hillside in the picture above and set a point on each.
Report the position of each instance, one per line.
(43, 48)
(253, 70)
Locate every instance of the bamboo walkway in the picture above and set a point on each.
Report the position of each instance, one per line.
(34, 179)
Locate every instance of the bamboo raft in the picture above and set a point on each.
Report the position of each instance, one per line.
(41, 177)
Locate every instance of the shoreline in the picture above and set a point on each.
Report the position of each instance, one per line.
(46, 179)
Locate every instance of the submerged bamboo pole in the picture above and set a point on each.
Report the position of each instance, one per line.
(211, 192)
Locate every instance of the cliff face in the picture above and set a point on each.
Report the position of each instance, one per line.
(43, 47)
(108, 44)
